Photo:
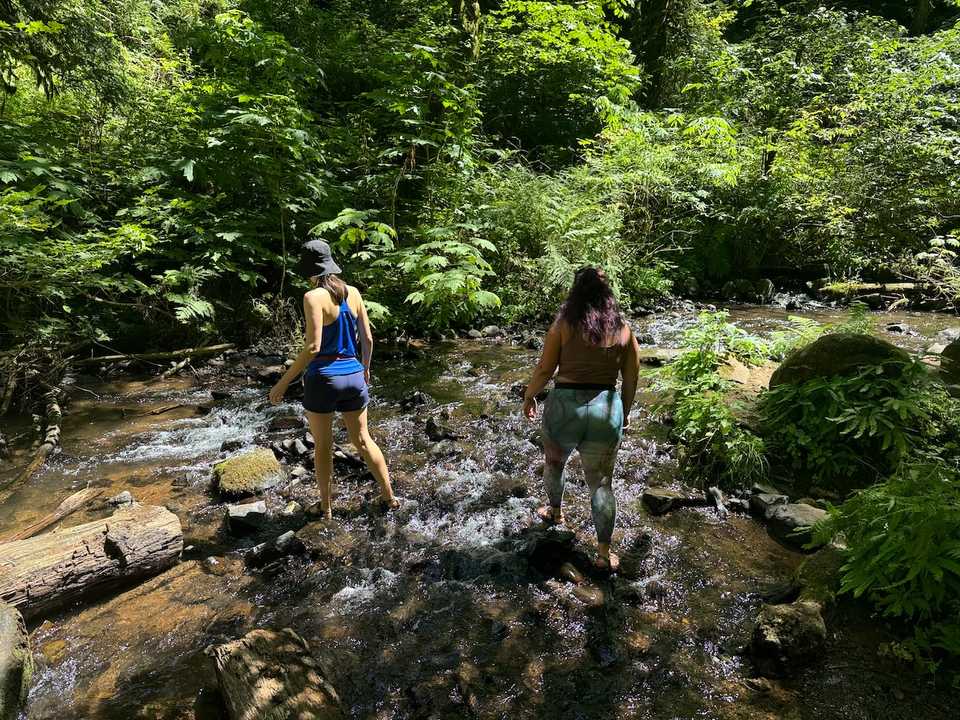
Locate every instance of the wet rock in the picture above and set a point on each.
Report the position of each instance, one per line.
(299, 472)
(837, 354)
(950, 367)
(491, 331)
(246, 518)
(738, 504)
(474, 333)
(294, 684)
(532, 342)
(291, 509)
(570, 572)
(219, 395)
(898, 328)
(247, 474)
(657, 356)
(16, 662)
(819, 575)
(415, 399)
(646, 338)
(508, 486)
(935, 349)
(327, 542)
(229, 446)
(347, 457)
(793, 523)
(271, 374)
(444, 449)
(590, 595)
(122, 499)
(762, 504)
(764, 290)
(437, 432)
(282, 546)
(661, 500)
(283, 423)
(786, 637)
(948, 335)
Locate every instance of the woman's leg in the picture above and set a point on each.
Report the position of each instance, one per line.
(598, 454)
(555, 460)
(321, 427)
(356, 423)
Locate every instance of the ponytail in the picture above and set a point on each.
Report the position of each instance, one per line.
(335, 286)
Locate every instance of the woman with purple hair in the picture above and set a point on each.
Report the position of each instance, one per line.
(589, 346)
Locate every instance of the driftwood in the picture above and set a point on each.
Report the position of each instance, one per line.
(152, 357)
(51, 439)
(67, 507)
(270, 675)
(47, 572)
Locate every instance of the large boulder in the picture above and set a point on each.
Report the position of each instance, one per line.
(834, 355)
(16, 662)
(793, 523)
(786, 637)
(247, 474)
(950, 367)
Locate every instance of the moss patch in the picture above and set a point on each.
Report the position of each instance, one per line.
(247, 474)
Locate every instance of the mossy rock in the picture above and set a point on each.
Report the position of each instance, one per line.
(247, 474)
(819, 576)
(16, 662)
(836, 355)
(950, 367)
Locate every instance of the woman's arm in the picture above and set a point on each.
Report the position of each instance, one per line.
(630, 369)
(545, 369)
(313, 313)
(366, 338)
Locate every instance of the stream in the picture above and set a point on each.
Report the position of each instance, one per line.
(446, 608)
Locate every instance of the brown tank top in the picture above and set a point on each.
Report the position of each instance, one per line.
(581, 362)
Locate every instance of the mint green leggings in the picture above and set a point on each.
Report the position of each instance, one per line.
(590, 421)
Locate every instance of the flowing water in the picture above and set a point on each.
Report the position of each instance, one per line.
(457, 605)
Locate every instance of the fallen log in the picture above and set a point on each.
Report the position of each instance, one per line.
(270, 675)
(151, 357)
(44, 573)
(64, 509)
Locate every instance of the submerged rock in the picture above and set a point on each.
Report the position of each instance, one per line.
(247, 474)
(326, 541)
(793, 523)
(837, 354)
(16, 662)
(661, 500)
(786, 637)
(286, 544)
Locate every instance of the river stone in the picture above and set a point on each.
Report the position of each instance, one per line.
(122, 499)
(950, 366)
(327, 542)
(16, 662)
(246, 518)
(819, 575)
(833, 355)
(661, 500)
(474, 334)
(285, 422)
(765, 290)
(786, 637)
(763, 503)
(491, 331)
(247, 474)
(793, 523)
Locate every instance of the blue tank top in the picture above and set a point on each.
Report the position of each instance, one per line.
(338, 346)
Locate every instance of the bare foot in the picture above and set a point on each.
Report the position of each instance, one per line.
(317, 510)
(550, 515)
(391, 504)
(607, 563)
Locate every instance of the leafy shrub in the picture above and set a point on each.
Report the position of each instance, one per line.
(903, 552)
(715, 445)
(846, 432)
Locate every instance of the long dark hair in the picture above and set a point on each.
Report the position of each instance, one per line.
(333, 285)
(591, 307)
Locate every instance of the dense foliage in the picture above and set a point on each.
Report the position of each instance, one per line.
(160, 162)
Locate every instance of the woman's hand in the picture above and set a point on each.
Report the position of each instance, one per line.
(530, 408)
(277, 392)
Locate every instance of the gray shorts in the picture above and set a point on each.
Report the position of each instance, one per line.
(335, 393)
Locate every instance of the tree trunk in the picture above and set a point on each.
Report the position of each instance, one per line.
(921, 17)
(53, 570)
(270, 675)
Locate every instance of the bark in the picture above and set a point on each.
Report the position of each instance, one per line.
(53, 570)
(64, 509)
(151, 357)
(921, 17)
(270, 675)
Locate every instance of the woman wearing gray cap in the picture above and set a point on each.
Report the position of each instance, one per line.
(335, 375)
